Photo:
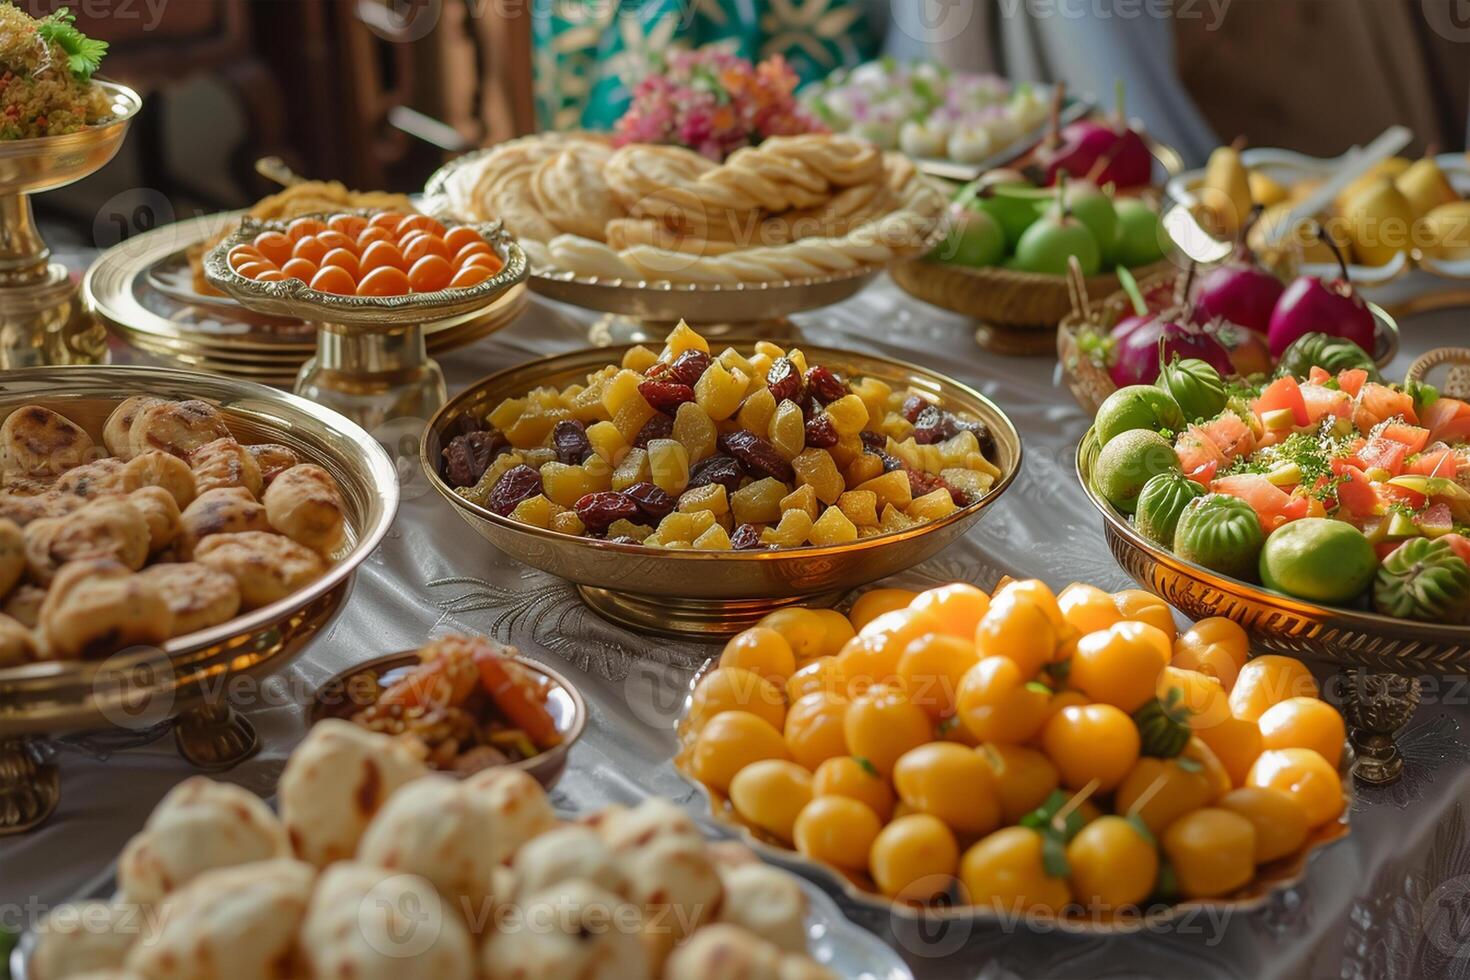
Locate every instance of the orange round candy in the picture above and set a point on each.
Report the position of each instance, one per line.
(274, 246)
(299, 269)
(425, 244)
(372, 234)
(343, 259)
(336, 239)
(381, 255)
(470, 275)
(334, 279)
(271, 275)
(486, 259)
(350, 225)
(386, 220)
(384, 281)
(419, 222)
(252, 270)
(304, 228)
(310, 249)
(473, 248)
(429, 273)
(458, 237)
(241, 254)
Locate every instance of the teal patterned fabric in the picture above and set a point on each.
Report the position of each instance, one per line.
(590, 53)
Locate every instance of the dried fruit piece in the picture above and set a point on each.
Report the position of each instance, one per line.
(860, 506)
(635, 533)
(651, 500)
(833, 527)
(922, 484)
(468, 456)
(713, 539)
(695, 431)
(756, 411)
(892, 488)
(787, 429)
(607, 441)
(913, 407)
(711, 497)
(929, 426)
(820, 432)
(759, 503)
(518, 483)
(534, 510)
(783, 380)
(825, 385)
(569, 438)
(633, 469)
(848, 415)
(723, 470)
(747, 537)
(802, 498)
(932, 506)
(567, 522)
(641, 359)
(720, 392)
(666, 396)
(564, 484)
(598, 510)
(872, 440)
(791, 532)
(658, 427)
(689, 366)
(668, 464)
(758, 457)
(817, 469)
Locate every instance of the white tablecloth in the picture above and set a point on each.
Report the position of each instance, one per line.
(1381, 904)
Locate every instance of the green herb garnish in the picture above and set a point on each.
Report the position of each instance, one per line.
(83, 54)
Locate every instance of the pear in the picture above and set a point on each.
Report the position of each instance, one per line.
(1379, 220)
(1225, 193)
(1053, 238)
(1425, 187)
(1447, 229)
(1091, 206)
(1265, 189)
(1390, 168)
(1140, 238)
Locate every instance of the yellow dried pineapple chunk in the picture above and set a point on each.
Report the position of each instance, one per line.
(848, 449)
(860, 506)
(639, 358)
(791, 532)
(564, 484)
(715, 539)
(815, 468)
(607, 442)
(567, 522)
(787, 431)
(711, 497)
(833, 527)
(695, 431)
(544, 397)
(538, 456)
(892, 489)
(760, 366)
(896, 427)
(756, 411)
(502, 416)
(719, 391)
(802, 498)
(932, 506)
(532, 426)
(848, 414)
(732, 359)
(668, 465)
(633, 469)
(972, 483)
(623, 528)
(586, 405)
(874, 394)
(758, 503)
(685, 526)
(863, 469)
(954, 450)
(894, 519)
(798, 359)
(535, 511)
(625, 405)
(767, 349)
(680, 339)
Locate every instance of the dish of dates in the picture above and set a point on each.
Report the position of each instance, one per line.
(689, 449)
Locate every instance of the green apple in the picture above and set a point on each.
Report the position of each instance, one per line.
(1050, 241)
(1140, 236)
(975, 239)
(1094, 209)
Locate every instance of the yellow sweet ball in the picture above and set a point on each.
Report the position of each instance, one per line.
(803, 630)
(814, 728)
(1236, 743)
(1216, 646)
(956, 608)
(914, 858)
(997, 702)
(736, 689)
(1198, 751)
(822, 674)
(1017, 628)
(1121, 664)
(836, 631)
(1280, 822)
(1196, 694)
(1113, 866)
(1145, 607)
(846, 776)
(931, 669)
(770, 793)
(1005, 871)
(1038, 592)
(1212, 852)
(837, 830)
(1091, 742)
(762, 650)
(874, 603)
(881, 724)
(1086, 608)
(951, 782)
(1269, 680)
(1303, 723)
(1160, 791)
(892, 632)
(1304, 776)
(865, 661)
(728, 743)
(1023, 778)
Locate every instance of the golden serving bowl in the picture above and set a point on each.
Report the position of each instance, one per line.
(704, 593)
(136, 689)
(861, 891)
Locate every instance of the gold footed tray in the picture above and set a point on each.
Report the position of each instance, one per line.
(703, 594)
(187, 677)
(371, 362)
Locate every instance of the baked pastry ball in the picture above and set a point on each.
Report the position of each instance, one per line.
(97, 606)
(265, 566)
(82, 938)
(95, 479)
(655, 817)
(676, 884)
(156, 468)
(119, 425)
(108, 528)
(24, 604)
(517, 804)
(198, 596)
(12, 555)
(199, 826)
(767, 902)
(564, 854)
(368, 923)
(160, 513)
(23, 508)
(273, 459)
(37, 442)
(573, 929)
(304, 504)
(726, 952)
(177, 428)
(17, 643)
(238, 923)
(225, 463)
(226, 510)
(335, 783)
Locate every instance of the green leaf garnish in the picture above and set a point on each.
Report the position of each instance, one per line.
(1038, 688)
(83, 54)
(868, 767)
(1136, 822)
(1054, 856)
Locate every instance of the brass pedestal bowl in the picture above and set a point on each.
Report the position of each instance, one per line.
(189, 677)
(704, 594)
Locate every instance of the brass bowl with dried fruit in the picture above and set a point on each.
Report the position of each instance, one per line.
(690, 492)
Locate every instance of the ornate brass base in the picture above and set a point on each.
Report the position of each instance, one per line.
(373, 376)
(44, 322)
(691, 618)
(1377, 706)
(29, 787)
(214, 737)
(614, 329)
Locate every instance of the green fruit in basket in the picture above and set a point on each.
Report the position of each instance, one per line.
(1318, 559)
(1423, 579)
(1136, 407)
(1014, 206)
(1054, 238)
(1140, 238)
(1094, 209)
(1195, 385)
(1128, 462)
(1222, 533)
(1332, 354)
(975, 240)
(1160, 502)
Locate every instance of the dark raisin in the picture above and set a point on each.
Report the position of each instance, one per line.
(464, 424)
(665, 396)
(824, 384)
(811, 407)
(913, 405)
(598, 510)
(747, 537)
(929, 428)
(890, 463)
(784, 380)
(978, 429)
(820, 432)
(716, 469)
(657, 371)
(468, 456)
(658, 427)
(515, 485)
(873, 440)
(569, 438)
(652, 500)
(689, 366)
(759, 457)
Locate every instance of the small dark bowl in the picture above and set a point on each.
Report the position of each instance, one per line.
(338, 698)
